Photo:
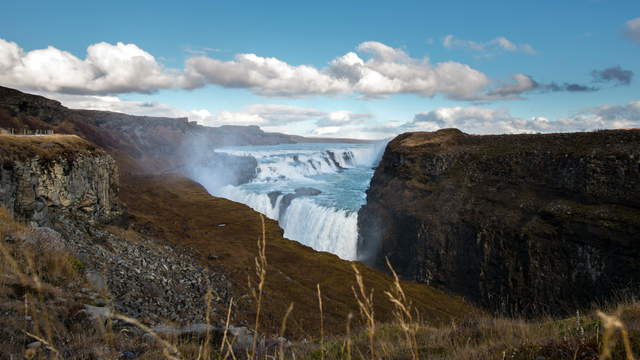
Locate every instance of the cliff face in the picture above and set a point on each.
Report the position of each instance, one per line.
(43, 178)
(518, 223)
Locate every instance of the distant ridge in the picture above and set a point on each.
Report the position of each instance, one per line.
(155, 140)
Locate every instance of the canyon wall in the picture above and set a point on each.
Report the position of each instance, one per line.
(45, 177)
(522, 224)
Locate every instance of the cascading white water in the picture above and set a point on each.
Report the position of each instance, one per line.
(322, 228)
(280, 164)
(314, 191)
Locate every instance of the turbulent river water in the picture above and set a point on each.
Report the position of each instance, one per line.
(314, 191)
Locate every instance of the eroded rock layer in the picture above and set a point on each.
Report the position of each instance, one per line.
(518, 223)
(42, 178)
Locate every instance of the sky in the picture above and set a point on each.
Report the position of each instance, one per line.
(359, 69)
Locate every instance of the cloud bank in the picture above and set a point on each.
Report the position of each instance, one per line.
(344, 123)
(373, 70)
(477, 120)
(612, 76)
(270, 117)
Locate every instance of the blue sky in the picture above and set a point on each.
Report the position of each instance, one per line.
(546, 48)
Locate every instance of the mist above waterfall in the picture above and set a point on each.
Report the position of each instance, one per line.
(215, 169)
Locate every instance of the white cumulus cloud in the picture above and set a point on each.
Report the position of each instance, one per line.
(106, 69)
(392, 71)
(386, 71)
(263, 76)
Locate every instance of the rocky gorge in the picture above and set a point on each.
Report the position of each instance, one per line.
(520, 224)
(106, 192)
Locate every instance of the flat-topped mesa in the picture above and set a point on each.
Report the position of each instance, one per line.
(518, 223)
(43, 178)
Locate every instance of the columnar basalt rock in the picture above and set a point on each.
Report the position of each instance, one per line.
(518, 223)
(70, 177)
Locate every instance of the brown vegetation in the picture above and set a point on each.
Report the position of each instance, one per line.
(221, 233)
(16, 147)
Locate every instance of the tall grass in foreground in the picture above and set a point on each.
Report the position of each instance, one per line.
(261, 274)
(321, 322)
(39, 276)
(403, 313)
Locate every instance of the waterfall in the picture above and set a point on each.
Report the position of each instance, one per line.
(314, 191)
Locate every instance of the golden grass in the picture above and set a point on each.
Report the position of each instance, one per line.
(261, 274)
(28, 274)
(495, 338)
(15, 147)
(321, 322)
(403, 313)
(367, 311)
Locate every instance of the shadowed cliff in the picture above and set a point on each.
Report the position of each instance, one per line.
(518, 223)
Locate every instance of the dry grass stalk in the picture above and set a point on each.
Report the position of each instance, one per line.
(365, 304)
(204, 352)
(283, 328)
(45, 342)
(402, 313)
(27, 272)
(226, 331)
(261, 273)
(348, 340)
(611, 323)
(321, 322)
(169, 350)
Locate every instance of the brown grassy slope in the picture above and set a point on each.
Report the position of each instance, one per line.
(182, 211)
(14, 147)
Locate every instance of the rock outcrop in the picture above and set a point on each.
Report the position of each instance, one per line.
(44, 178)
(518, 223)
(67, 189)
